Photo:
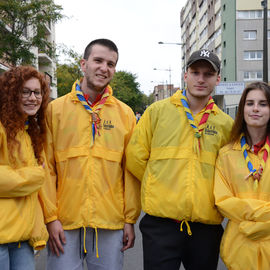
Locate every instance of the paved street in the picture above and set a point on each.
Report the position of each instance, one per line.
(132, 260)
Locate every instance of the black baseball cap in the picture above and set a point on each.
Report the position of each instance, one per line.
(206, 55)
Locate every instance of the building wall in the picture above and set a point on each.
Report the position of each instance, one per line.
(250, 5)
(224, 35)
(228, 28)
(254, 67)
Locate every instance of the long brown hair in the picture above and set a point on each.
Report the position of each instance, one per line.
(239, 123)
(11, 115)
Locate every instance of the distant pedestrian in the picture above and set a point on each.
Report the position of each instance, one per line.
(23, 100)
(138, 117)
(242, 186)
(172, 152)
(91, 201)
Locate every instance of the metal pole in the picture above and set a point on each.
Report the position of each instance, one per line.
(170, 81)
(265, 42)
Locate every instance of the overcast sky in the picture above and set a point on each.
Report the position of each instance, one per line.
(136, 27)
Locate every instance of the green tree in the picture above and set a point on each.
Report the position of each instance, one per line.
(16, 17)
(68, 72)
(126, 88)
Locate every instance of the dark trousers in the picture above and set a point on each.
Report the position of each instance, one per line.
(165, 246)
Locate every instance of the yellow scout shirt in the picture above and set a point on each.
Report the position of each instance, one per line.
(177, 183)
(21, 217)
(89, 186)
(246, 242)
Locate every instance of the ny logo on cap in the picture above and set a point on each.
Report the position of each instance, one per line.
(205, 53)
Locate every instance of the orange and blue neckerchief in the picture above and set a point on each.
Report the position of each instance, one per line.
(197, 130)
(94, 110)
(253, 172)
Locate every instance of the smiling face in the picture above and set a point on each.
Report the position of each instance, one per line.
(256, 109)
(31, 104)
(99, 68)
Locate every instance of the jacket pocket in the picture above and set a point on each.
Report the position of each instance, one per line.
(107, 154)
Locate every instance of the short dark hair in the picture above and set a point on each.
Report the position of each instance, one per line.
(102, 41)
(239, 123)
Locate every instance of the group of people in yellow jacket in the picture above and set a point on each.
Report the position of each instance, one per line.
(83, 167)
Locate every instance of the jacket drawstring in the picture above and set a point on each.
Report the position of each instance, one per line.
(188, 227)
(96, 233)
(19, 244)
(84, 238)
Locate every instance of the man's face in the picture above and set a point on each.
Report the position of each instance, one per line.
(99, 68)
(201, 78)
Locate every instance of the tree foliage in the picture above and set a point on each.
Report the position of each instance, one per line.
(68, 72)
(16, 18)
(126, 88)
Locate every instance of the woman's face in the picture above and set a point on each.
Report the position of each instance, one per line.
(31, 97)
(256, 109)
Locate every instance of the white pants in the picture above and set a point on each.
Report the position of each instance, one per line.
(109, 244)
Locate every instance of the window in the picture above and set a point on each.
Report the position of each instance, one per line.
(250, 14)
(268, 34)
(253, 75)
(224, 26)
(203, 33)
(253, 55)
(218, 49)
(203, 18)
(251, 34)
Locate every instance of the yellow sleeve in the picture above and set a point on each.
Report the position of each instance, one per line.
(48, 190)
(255, 230)
(138, 149)
(235, 208)
(20, 182)
(39, 235)
(131, 187)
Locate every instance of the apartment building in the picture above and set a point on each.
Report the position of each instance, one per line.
(233, 29)
(43, 62)
(162, 91)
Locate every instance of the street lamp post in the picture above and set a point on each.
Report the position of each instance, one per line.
(179, 44)
(169, 70)
(265, 42)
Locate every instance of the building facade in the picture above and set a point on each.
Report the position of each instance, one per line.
(162, 91)
(233, 29)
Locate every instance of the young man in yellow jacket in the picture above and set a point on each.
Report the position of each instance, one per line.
(172, 152)
(91, 202)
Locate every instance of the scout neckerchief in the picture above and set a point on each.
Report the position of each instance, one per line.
(94, 110)
(197, 130)
(253, 172)
(26, 124)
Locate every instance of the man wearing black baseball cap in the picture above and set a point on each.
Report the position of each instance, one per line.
(207, 56)
(172, 152)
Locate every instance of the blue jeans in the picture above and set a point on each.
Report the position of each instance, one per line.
(13, 257)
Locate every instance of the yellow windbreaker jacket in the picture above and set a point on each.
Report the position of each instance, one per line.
(21, 217)
(177, 183)
(89, 186)
(246, 242)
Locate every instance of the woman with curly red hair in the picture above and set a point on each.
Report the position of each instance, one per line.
(24, 97)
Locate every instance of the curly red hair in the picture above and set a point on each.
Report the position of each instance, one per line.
(11, 115)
